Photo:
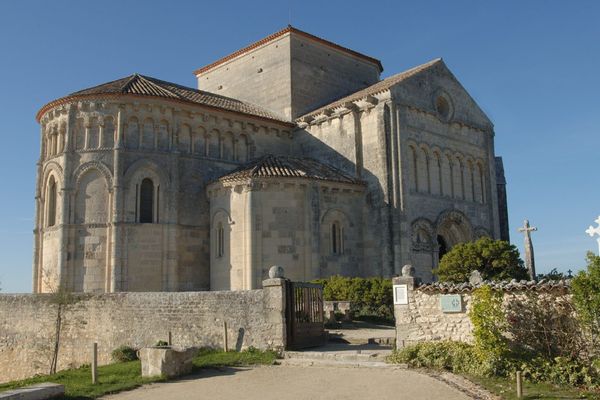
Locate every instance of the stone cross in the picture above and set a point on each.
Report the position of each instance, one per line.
(595, 231)
(529, 258)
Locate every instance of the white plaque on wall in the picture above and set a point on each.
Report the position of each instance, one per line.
(400, 294)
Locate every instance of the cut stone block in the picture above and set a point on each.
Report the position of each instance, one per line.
(166, 361)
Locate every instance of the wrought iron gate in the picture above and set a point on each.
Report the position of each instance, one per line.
(304, 315)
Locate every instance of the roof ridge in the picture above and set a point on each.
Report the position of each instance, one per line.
(289, 28)
(151, 81)
(129, 82)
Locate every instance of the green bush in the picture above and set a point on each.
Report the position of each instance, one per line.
(161, 343)
(494, 259)
(371, 298)
(560, 371)
(124, 354)
(463, 358)
(457, 357)
(585, 288)
(489, 325)
(536, 335)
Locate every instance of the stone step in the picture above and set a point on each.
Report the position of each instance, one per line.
(383, 341)
(350, 356)
(299, 362)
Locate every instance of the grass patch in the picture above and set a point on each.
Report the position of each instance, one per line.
(118, 377)
(78, 382)
(209, 358)
(507, 389)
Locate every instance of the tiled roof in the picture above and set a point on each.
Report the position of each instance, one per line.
(289, 167)
(508, 286)
(376, 88)
(282, 32)
(141, 85)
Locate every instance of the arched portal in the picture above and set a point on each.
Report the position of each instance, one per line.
(453, 228)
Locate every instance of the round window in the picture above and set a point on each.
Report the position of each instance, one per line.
(442, 106)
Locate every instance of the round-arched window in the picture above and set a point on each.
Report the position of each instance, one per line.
(147, 201)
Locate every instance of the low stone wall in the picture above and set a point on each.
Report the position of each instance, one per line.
(425, 318)
(27, 324)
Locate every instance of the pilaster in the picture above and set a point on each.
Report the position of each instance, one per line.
(116, 238)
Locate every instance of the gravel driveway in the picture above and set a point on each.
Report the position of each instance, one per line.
(296, 383)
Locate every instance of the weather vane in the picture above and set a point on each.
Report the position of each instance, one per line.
(595, 231)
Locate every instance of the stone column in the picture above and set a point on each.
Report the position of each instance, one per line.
(404, 313)
(249, 224)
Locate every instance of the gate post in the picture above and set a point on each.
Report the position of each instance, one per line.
(275, 296)
(404, 287)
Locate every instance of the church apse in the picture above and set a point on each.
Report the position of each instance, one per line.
(292, 152)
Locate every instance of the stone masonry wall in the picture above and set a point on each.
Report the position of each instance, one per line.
(422, 319)
(27, 324)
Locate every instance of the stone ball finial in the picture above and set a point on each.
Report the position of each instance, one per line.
(408, 271)
(475, 278)
(276, 272)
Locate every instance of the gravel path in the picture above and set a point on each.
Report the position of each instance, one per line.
(299, 383)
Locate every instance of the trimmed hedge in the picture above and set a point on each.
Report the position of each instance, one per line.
(371, 298)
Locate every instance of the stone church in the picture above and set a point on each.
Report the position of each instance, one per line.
(292, 151)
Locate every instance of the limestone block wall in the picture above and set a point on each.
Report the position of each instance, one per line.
(27, 324)
(321, 74)
(351, 139)
(286, 222)
(290, 74)
(423, 319)
(261, 76)
(95, 155)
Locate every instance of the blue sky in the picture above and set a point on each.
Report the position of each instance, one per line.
(533, 67)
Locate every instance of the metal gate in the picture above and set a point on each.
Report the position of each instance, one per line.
(304, 315)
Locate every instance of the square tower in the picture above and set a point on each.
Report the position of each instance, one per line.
(290, 73)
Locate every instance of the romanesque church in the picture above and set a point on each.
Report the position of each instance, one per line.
(292, 152)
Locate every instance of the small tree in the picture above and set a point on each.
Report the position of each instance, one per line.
(61, 298)
(585, 288)
(495, 259)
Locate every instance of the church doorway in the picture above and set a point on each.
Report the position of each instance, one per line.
(442, 247)
(453, 228)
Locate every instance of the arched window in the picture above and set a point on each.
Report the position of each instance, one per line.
(337, 241)
(51, 202)
(146, 201)
(220, 240)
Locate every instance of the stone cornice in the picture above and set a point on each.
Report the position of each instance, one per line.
(117, 96)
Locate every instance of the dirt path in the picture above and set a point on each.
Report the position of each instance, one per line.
(299, 383)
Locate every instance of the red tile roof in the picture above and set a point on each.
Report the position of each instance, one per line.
(289, 29)
(291, 167)
(140, 85)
